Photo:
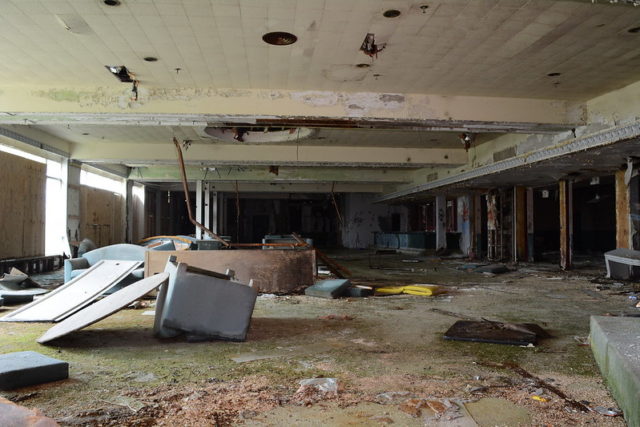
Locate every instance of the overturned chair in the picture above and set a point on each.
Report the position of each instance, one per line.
(203, 305)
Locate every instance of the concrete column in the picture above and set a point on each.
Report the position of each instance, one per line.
(129, 204)
(530, 228)
(519, 224)
(623, 212)
(464, 223)
(441, 230)
(214, 212)
(477, 226)
(206, 206)
(566, 224)
(199, 208)
(73, 203)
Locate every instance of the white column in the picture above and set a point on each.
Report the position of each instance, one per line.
(214, 212)
(199, 208)
(207, 207)
(441, 217)
(464, 223)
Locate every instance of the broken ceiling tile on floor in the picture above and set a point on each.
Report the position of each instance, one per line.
(105, 307)
(27, 368)
(75, 294)
(328, 288)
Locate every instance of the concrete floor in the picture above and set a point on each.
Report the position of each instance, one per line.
(387, 353)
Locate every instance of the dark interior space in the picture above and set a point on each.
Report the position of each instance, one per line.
(312, 216)
(166, 213)
(594, 216)
(546, 223)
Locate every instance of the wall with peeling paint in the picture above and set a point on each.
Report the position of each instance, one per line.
(362, 218)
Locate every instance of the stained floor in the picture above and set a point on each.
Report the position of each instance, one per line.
(387, 354)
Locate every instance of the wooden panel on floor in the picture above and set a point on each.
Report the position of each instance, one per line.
(22, 207)
(272, 270)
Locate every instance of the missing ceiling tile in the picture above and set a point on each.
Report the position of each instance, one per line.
(370, 47)
(120, 72)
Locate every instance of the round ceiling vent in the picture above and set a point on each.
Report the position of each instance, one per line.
(258, 134)
(279, 38)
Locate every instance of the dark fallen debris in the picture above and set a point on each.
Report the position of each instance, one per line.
(493, 269)
(539, 383)
(488, 331)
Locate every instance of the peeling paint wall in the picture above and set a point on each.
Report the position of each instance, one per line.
(362, 218)
(73, 204)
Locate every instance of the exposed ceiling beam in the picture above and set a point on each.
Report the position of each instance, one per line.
(222, 154)
(565, 157)
(189, 107)
(231, 173)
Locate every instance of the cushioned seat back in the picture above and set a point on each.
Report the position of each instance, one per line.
(122, 251)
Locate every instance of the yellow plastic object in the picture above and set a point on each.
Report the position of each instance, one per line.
(422, 290)
(539, 398)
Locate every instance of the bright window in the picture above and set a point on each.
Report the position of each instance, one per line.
(55, 211)
(17, 152)
(91, 179)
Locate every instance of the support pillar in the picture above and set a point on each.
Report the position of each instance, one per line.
(519, 224)
(207, 206)
(441, 230)
(530, 228)
(623, 213)
(199, 208)
(214, 212)
(129, 205)
(477, 226)
(465, 224)
(566, 224)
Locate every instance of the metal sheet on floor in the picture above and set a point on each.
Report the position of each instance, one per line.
(105, 307)
(75, 294)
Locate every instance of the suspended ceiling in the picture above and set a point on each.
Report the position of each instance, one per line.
(502, 48)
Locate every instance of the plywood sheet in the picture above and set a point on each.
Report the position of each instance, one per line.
(22, 207)
(105, 307)
(102, 216)
(271, 270)
(75, 294)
